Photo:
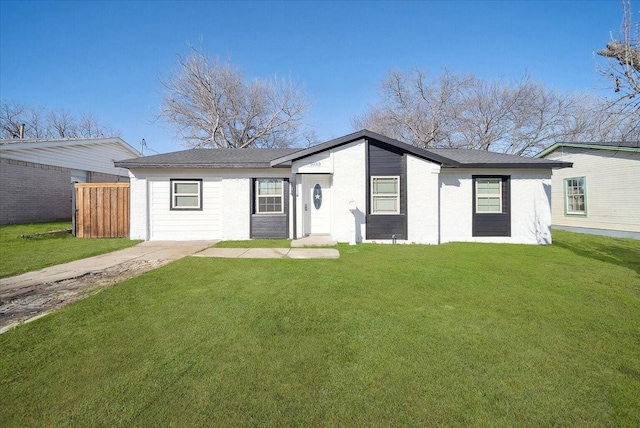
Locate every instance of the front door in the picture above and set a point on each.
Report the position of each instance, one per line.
(316, 204)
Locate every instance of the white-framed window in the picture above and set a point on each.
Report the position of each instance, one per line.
(385, 195)
(186, 194)
(575, 191)
(488, 195)
(269, 196)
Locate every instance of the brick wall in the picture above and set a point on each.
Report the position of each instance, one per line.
(100, 177)
(31, 192)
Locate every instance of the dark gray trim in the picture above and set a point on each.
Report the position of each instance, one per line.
(271, 226)
(384, 160)
(492, 224)
(173, 180)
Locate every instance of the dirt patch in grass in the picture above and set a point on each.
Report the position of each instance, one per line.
(26, 304)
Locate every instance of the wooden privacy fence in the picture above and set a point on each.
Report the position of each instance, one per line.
(101, 210)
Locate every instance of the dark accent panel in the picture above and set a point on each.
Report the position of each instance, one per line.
(384, 160)
(272, 226)
(386, 226)
(498, 224)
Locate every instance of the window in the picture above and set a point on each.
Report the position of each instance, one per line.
(575, 195)
(269, 196)
(385, 195)
(488, 195)
(186, 194)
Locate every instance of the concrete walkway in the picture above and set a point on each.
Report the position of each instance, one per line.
(270, 253)
(31, 295)
(160, 252)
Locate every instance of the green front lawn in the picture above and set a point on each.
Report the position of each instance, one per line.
(19, 255)
(456, 334)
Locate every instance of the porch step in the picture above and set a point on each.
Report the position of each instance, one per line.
(314, 241)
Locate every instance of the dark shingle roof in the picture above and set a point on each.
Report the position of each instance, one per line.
(484, 159)
(208, 158)
(448, 158)
(265, 158)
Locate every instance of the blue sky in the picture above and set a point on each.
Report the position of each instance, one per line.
(106, 57)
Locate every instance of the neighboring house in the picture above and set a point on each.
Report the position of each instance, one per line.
(36, 174)
(601, 193)
(362, 187)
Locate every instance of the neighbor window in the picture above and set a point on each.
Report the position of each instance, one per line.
(269, 196)
(186, 194)
(575, 195)
(385, 195)
(488, 195)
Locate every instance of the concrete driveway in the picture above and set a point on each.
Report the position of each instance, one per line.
(33, 294)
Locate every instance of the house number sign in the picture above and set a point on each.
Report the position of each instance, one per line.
(317, 196)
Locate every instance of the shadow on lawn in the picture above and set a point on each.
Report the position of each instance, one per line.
(620, 252)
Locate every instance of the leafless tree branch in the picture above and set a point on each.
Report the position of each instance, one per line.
(40, 123)
(210, 104)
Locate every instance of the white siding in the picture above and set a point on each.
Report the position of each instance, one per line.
(138, 219)
(422, 201)
(234, 208)
(225, 210)
(92, 156)
(613, 192)
(179, 225)
(530, 209)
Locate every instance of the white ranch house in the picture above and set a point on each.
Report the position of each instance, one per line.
(363, 187)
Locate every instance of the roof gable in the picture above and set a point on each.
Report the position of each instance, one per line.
(368, 135)
(447, 158)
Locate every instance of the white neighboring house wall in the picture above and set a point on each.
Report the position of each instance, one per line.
(95, 155)
(225, 210)
(612, 190)
(530, 206)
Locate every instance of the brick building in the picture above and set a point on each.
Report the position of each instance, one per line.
(37, 175)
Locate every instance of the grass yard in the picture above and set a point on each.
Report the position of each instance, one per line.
(456, 334)
(19, 255)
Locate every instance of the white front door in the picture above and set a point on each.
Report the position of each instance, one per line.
(316, 204)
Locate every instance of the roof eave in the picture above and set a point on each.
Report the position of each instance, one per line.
(246, 165)
(516, 165)
(595, 146)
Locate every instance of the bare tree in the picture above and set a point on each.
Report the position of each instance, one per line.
(39, 123)
(12, 115)
(522, 117)
(210, 104)
(88, 126)
(623, 65)
(416, 109)
(61, 123)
